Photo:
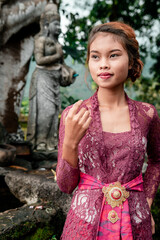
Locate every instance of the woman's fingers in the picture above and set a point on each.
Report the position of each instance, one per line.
(87, 123)
(76, 116)
(153, 224)
(75, 108)
(83, 116)
(77, 122)
(79, 119)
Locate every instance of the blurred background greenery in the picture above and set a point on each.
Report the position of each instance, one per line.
(142, 15)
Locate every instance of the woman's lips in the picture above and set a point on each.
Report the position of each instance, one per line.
(105, 75)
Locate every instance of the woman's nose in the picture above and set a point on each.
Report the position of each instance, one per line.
(104, 64)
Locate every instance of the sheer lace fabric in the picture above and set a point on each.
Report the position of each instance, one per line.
(112, 157)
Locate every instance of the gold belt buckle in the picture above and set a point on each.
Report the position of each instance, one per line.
(115, 194)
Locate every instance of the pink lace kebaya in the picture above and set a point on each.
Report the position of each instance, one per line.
(112, 157)
(103, 142)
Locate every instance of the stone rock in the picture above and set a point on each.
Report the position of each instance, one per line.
(34, 188)
(19, 22)
(7, 199)
(3, 134)
(20, 222)
(44, 155)
(23, 163)
(23, 148)
(14, 58)
(17, 14)
(44, 165)
(3, 171)
(7, 154)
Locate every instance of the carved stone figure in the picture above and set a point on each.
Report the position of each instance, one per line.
(50, 73)
(19, 22)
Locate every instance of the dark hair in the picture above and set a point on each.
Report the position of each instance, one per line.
(126, 35)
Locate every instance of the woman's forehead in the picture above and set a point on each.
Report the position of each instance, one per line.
(106, 38)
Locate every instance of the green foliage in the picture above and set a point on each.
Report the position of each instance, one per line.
(19, 231)
(141, 15)
(136, 13)
(66, 99)
(148, 90)
(42, 233)
(156, 214)
(53, 237)
(25, 107)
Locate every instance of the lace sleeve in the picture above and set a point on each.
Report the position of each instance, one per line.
(152, 175)
(67, 176)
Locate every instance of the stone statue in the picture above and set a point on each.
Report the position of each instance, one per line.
(16, 50)
(50, 73)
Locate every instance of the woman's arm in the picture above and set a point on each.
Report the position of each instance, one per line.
(73, 125)
(152, 175)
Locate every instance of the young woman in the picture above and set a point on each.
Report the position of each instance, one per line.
(102, 146)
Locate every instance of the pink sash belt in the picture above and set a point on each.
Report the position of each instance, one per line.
(114, 221)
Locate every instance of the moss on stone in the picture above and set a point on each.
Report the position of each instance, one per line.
(30, 231)
(36, 229)
(42, 233)
(19, 231)
(156, 215)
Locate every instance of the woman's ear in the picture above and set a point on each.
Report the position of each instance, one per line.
(130, 64)
(130, 67)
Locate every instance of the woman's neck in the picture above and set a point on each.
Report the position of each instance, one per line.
(110, 98)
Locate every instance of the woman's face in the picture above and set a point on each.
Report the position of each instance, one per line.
(54, 27)
(108, 61)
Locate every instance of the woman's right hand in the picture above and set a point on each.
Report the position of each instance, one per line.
(152, 224)
(76, 125)
(150, 201)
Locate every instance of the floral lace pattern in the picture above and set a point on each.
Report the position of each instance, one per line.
(112, 157)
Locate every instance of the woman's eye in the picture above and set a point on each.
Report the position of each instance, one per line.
(113, 55)
(94, 56)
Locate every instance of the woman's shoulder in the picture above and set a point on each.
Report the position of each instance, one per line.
(146, 109)
(66, 110)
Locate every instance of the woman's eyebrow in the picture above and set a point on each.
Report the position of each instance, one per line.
(94, 51)
(113, 50)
